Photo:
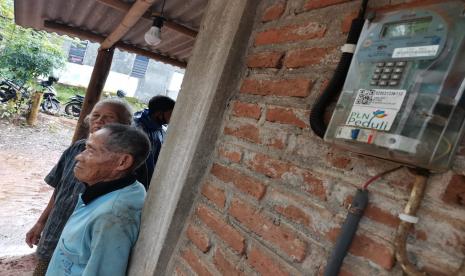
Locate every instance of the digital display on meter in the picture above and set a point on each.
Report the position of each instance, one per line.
(406, 28)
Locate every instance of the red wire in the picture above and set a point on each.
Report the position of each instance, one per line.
(374, 178)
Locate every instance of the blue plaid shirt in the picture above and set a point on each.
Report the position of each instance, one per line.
(67, 190)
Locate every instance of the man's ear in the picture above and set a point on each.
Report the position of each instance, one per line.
(125, 162)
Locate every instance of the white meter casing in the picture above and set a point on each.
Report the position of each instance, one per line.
(403, 96)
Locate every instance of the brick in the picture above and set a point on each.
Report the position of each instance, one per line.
(290, 33)
(214, 194)
(293, 213)
(314, 185)
(179, 271)
(339, 160)
(281, 236)
(225, 231)
(268, 166)
(347, 22)
(288, 116)
(249, 110)
(274, 12)
(244, 183)
(318, 212)
(195, 262)
(375, 213)
(199, 238)
(274, 137)
(285, 87)
(366, 247)
(224, 266)
(265, 60)
(274, 168)
(245, 131)
(265, 264)
(306, 57)
(318, 4)
(229, 154)
(455, 191)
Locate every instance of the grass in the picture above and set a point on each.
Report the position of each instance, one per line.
(66, 91)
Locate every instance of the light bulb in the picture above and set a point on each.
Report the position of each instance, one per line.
(152, 36)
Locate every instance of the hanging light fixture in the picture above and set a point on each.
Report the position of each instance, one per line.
(153, 35)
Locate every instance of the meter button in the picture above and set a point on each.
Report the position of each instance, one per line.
(373, 83)
(398, 70)
(401, 63)
(393, 83)
(385, 76)
(380, 64)
(375, 76)
(389, 64)
(382, 83)
(387, 70)
(395, 77)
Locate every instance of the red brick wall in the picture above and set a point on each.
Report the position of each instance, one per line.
(274, 198)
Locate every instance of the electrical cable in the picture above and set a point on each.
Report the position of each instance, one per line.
(374, 178)
(337, 81)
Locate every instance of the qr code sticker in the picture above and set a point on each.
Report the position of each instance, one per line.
(365, 97)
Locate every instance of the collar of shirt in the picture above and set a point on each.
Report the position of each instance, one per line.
(102, 188)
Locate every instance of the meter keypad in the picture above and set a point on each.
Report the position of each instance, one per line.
(388, 73)
(395, 76)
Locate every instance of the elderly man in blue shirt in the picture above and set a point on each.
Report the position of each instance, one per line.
(104, 226)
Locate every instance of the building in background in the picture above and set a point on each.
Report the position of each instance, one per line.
(137, 75)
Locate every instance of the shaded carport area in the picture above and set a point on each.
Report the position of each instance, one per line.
(212, 74)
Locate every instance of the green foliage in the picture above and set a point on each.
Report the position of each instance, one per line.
(66, 91)
(27, 54)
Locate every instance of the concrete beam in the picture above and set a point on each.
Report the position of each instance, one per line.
(211, 78)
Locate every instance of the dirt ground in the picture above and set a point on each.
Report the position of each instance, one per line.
(26, 156)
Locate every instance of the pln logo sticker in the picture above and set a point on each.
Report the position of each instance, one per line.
(379, 114)
(368, 118)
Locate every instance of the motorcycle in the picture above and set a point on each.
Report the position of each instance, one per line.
(74, 104)
(9, 90)
(50, 104)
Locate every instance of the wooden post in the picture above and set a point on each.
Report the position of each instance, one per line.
(32, 116)
(94, 90)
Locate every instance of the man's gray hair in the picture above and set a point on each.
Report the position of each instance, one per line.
(122, 108)
(130, 140)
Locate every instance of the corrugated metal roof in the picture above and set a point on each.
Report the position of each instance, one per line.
(91, 15)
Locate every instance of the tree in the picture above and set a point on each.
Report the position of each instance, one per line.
(27, 54)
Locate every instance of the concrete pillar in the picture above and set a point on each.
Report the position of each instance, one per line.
(213, 74)
(94, 90)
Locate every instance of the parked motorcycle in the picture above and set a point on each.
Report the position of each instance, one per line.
(9, 90)
(74, 104)
(50, 104)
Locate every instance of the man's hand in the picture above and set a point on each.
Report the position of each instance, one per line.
(33, 236)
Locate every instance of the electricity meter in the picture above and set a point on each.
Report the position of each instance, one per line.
(403, 96)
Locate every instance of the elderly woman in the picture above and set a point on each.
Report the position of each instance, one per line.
(47, 230)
